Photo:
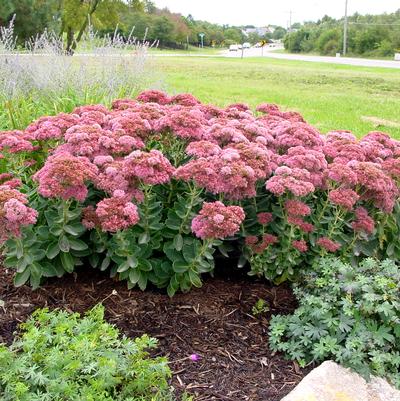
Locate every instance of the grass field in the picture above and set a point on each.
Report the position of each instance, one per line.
(329, 96)
(194, 50)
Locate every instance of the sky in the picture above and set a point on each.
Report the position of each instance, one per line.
(265, 12)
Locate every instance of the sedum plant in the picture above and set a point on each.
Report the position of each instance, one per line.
(348, 313)
(153, 188)
(62, 356)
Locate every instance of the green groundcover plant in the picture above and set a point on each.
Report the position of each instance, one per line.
(347, 313)
(61, 356)
(153, 188)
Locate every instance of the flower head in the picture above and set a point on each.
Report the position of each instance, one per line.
(264, 218)
(328, 244)
(185, 123)
(14, 213)
(65, 176)
(195, 357)
(52, 127)
(296, 207)
(114, 214)
(150, 167)
(208, 223)
(300, 245)
(154, 96)
(185, 99)
(202, 149)
(363, 222)
(16, 141)
(300, 223)
(292, 180)
(260, 246)
(344, 197)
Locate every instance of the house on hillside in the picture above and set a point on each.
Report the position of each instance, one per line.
(260, 31)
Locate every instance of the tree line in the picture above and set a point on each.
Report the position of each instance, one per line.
(368, 35)
(70, 19)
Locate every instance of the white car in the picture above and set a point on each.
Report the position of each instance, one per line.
(233, 48)
(246, 45)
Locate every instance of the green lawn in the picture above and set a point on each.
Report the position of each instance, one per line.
(193, 50)
(329, 96)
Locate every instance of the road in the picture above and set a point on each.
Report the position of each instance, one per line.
(269, 52)
(253, 52)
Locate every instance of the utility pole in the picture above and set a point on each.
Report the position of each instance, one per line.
(345, 30)
(290, 26)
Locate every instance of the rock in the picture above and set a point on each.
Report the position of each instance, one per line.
(332, 382)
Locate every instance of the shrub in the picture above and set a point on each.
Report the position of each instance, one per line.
(152, 188)
(62, 356)
(347, 313)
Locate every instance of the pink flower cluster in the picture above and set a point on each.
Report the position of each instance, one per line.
(14, 213)
(232, 171)
(300, 245)
(295, 181)
(259, 246)
(150, 167)
(65, 176)
(112, 214)
(296, 210)
(16, 142)
(344, 197)
(328, 244)
(215, 220)
(363, 222)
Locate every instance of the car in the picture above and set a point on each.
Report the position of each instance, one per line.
(246, 45)
(233, 48)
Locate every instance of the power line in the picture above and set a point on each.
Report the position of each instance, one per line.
(372, 23)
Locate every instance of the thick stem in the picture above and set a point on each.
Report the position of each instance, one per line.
(66, 204)
(193, 196)
(78, 38)
(145, 208)
(207, 243)
(338, 215)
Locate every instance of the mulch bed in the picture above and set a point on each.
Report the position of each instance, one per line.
(214, 321)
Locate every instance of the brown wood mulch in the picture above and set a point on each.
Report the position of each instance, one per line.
(214, 322)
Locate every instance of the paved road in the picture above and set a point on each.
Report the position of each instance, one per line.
(268, 52)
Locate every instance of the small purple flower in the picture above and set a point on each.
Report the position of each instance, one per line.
(194, 357)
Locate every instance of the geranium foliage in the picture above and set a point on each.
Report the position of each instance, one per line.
(350, 314)
(152, 187)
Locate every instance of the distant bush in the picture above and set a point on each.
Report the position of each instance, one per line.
(152, 188)
(61, 356)
(350, 314)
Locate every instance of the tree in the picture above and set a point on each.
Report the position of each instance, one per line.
(77, 14)
(149, 7)
(32, 17)
(6, 11)
(234, 35)
(293, 41)
(279, 33)
(163, 30)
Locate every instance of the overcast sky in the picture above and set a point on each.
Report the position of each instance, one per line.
(264, 12)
